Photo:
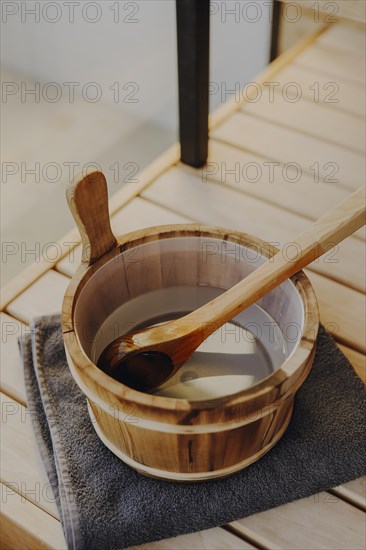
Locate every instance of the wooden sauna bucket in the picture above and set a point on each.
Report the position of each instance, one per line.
(165, 437)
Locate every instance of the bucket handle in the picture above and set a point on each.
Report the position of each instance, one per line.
(87, 197)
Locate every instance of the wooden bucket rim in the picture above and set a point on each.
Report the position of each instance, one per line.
(81, 362)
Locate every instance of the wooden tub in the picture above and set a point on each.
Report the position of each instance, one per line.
(165, 437)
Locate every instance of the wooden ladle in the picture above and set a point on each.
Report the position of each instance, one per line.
(147, 358)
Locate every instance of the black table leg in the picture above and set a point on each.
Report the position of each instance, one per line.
(193, 79)
(275, 32)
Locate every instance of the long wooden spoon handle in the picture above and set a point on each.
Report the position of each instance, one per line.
(327, 232)
(87, 197)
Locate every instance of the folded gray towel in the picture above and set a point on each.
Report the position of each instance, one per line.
(104, 504)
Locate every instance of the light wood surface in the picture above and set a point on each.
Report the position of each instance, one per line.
(35, 270)
(273, 183)
(263, 137)
(26, 526)
(357, 360)
(23, 470)
(322, 521)
(354, 492)
(334, 63)
(348, 38)
(12, 380)
(185, 192)
(337, 58)
(333, 125)
(212, 539)
(342, 311)
(44, 297)
(349, 96)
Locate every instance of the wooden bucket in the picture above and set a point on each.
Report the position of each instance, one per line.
(177, 438)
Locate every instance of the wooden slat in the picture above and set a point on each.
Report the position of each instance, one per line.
(212, 539)
(310, 117)
(354, 492)
(350, 97)
(136, 214)
(335, 64)
(321, 521)
(34, 271)
(232, 166)
(288, 146)
(212, 203)
(24, 526)
(70, 263)
(342, 311)
(348, 38)
(44, 297)
(357, 360)
(12, 382)
(21, 465)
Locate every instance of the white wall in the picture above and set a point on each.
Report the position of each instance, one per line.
(143, 52)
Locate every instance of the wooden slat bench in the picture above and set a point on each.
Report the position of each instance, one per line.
(243, 134)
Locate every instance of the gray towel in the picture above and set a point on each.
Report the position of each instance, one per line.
(104, 504)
